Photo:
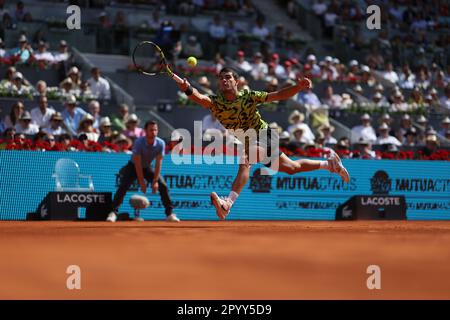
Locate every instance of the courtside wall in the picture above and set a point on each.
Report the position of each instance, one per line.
(26, 178)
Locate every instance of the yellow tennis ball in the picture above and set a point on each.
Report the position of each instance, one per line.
(192, 61)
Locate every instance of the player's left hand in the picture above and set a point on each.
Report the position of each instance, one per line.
(304, 83)
(155, 187)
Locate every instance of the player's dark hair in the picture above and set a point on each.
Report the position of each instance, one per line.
(230, 70)
(150, 123)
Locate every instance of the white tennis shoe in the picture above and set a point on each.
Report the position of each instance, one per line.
(172, 218)
(336, 166)
(112, 217)
(222, 205)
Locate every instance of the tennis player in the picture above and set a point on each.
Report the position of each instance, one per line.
(237, 110)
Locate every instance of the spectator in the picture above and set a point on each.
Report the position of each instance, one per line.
(365, 150)
(327, 130)
(259, 68)
(330, 19)
(260, 31)
(23, 52)
(416, 99)
(367, 76)
(434, 95)
(123, 143)
(65, 89)
(205, 85)
(406, 78)
(25, 126)
(87, 127)
(42, 54)
(16, 112)
(445, 124)
(7, 22)
(105, 130)
(385, 138)
(314, 68)
(289, 72)
(119, 121)
(72, 115)
(309, 99)
(447, 135)
(431, 146)
(217, 33)
(99, 85)
(342, 148)
(377, 100)
(285, 138)
(279, 69)
(132, 130)
(439, 81)
(298, 136)
(121, 33)
(210, 122)
(155, 22)
(193, 48)
(9, 134)
(233, 32)
(243, 64)
(20, 87)
(65, 141)
(2, 125)
(242, 84)
(422, 80)
(63, 52)
(41, 88)
(389, 73)
(398, 105)
(333, 101)
(75, 75)
(445, 99)
(85, 92)
(94, 110)
(410, 138)
(296, 119)
(422, 121)
(218, 62)
(364, 131)
(319, 7)
(50, 139)
(405, 125)
(20, 12)
(8, 81)
(55, 127)
(42, 114)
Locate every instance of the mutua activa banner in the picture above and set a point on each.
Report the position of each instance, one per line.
(26, 177)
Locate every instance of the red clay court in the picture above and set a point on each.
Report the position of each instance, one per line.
(225, 260)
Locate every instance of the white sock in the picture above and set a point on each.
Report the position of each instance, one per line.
(324, 165)
(233, 196)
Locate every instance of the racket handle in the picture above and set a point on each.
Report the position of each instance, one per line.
(177, 79)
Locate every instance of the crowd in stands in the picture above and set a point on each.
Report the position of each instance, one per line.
(380, 84)
(405, 142)
(73, 129)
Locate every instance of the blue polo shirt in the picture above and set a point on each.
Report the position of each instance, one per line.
(148, 152)
(73, 123)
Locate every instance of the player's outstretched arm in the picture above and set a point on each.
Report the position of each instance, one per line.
(286, 93)
(193, 94)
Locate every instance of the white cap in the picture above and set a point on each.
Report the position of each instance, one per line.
(353, 63)
(365, 69)
(311, 57)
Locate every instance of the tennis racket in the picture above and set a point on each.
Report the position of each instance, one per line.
(149, 59)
